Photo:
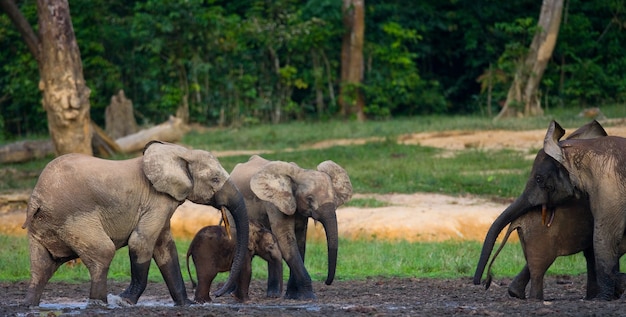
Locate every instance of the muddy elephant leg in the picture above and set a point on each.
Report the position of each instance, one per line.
(537, 274)
(606, 236)
(140, 251)
(299, 285)
(274, 275)
(517, 288)
(592, 282)
(166, 258)
(206, 273)
(42, 267)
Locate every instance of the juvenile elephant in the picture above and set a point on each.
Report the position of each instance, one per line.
(548, 188)
(570, 233)
(212, 251)
(597, 169)
(85, 207)
(282, 196)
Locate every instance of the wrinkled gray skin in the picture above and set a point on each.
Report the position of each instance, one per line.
(85, 207)
(569, 233)
(212, 251)
(282, 196)
(548, 188)
(597, 168)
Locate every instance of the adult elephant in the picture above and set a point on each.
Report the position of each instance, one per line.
(282, 196)
(85, 207)
(548, 188)
(597, 169)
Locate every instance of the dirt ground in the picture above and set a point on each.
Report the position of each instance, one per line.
(424, 217)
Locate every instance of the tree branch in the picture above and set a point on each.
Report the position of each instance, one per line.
(22, 25)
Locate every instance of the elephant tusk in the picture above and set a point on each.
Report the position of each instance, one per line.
(552, 213)
(544, 212)
(226, 223)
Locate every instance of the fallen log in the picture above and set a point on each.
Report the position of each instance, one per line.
(171, 130)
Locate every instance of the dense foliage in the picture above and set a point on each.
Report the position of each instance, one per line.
(250, 61)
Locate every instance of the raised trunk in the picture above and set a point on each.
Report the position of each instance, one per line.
(332, 241)
(230, 197)
(515, 210)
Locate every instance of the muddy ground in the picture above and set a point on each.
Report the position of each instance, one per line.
(371, 297)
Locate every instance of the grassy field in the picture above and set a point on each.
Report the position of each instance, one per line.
(376, 167)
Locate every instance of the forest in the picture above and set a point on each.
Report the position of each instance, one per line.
(249, 62)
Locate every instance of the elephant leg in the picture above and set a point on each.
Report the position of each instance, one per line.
(537, 272)
(517, 288)
(606, 236)
(42, 267)
(592, 282)
(166, 258)
(140, 250)
(206, 271)
(299, 285)
(96, 251)
(274, 274)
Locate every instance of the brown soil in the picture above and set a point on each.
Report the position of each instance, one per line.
(423, 217)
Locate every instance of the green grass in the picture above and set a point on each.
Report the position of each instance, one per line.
(358, 259)
(376, 167)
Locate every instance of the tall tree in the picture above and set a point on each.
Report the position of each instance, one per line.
(65, 94)
(522, 97)
(351, 99)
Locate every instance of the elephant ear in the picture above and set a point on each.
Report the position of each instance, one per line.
(166, 168)
(341, 181)
(274, 183)
(550, 142)
(590, 130)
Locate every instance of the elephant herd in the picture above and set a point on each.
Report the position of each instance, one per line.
(85, 207)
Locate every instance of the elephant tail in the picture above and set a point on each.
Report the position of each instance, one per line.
(193, 283)
(33, 208)
(489, 274)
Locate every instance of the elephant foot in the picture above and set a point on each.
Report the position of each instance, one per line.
(202, 300)
(273, 294)
(96, 303)
(514, 292)
(309, 295)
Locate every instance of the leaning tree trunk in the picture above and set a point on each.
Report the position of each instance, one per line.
(351, 97)
(523, 98)
(65, 95)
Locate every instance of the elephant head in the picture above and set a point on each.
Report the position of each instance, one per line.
(199, 177)
(310, 193)
(548, 186)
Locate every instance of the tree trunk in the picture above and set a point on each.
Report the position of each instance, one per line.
(119, 117)
(351, 97)
(523, 97)
(65, 95)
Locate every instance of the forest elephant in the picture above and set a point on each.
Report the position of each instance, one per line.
(570, 233)
(597, 170)
(85, 207)
(282, 196)
(212, 251)
(548, 189)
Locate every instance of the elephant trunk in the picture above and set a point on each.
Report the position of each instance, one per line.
(230, 197)
(329, 221)
(515, 210)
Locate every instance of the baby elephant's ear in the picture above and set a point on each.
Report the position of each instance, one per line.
(341, 181)
(274, 184)
(167, 170)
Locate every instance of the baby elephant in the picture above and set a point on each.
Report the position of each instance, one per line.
(212, 251)
(570, 232)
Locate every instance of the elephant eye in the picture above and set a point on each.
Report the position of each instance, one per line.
(216, 180)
